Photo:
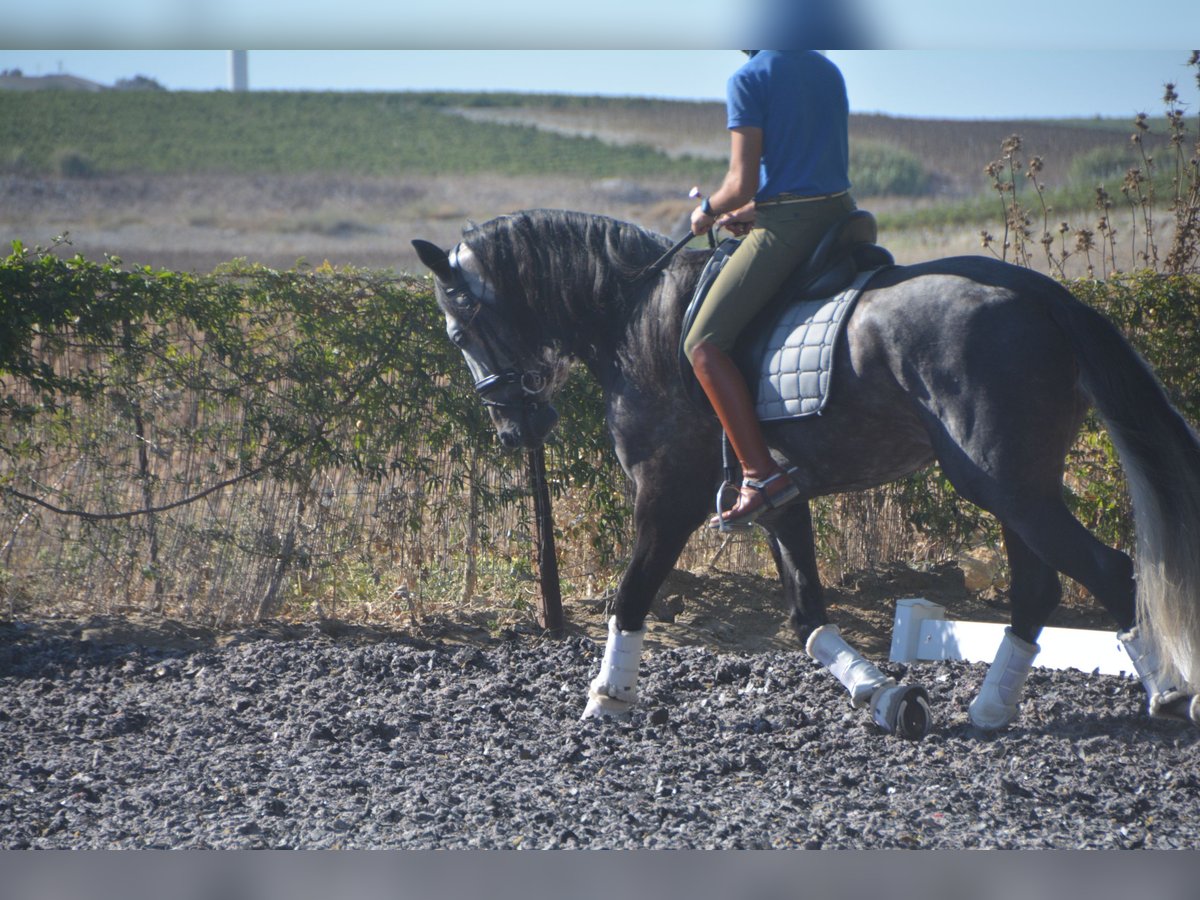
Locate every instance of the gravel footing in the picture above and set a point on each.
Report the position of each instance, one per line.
(326, 743)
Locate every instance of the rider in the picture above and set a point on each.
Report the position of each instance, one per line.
(788, 183)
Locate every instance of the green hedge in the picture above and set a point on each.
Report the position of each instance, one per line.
(260, 374)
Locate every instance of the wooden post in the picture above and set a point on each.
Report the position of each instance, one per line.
(550, 613)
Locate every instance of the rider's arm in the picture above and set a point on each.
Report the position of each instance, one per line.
(741, 181)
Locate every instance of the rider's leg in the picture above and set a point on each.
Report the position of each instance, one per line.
(783, 238)
(730, 398)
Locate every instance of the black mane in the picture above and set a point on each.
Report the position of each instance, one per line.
(580, 281)
(566, 263)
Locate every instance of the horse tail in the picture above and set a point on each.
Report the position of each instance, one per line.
(1160, 455)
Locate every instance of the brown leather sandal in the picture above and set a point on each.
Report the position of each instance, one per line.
(754, 499)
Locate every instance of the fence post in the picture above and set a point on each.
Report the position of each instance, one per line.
(550, 613)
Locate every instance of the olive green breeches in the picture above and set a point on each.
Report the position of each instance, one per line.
(783, 237)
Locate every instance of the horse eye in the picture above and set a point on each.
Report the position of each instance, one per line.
(458, 337)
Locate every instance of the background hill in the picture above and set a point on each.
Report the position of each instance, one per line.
(189, 180)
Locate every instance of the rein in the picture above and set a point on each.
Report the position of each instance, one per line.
(661, 263)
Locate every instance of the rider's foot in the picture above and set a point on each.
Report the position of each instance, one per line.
(755, 498)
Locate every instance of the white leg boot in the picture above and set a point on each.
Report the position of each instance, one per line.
(614, 691)
(856, 674)
(1165, 700)
(997, 703)
(896, 708)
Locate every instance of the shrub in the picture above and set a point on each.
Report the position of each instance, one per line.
(74, 164)
(878, 169)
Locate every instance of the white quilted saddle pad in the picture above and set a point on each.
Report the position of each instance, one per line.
(797, 367)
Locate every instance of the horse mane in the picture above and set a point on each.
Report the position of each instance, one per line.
(570, 270)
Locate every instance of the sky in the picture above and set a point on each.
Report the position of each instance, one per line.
(948, 58)
(918, 83)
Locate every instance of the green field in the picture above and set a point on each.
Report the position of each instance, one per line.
(291, 175)
(292, 133)
(115, 133)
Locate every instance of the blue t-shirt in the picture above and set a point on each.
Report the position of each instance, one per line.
(798, 99)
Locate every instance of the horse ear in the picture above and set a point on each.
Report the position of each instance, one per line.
(435, 259)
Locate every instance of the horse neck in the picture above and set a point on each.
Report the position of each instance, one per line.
(596, 326)
(638, 341)
(587, 305)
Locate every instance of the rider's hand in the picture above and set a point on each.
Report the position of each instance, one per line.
(740, 221)
(702, 222)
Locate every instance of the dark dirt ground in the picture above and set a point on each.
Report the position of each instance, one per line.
(126, 734)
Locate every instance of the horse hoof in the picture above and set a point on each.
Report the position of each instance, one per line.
(601, 707)
(991, 714)
(1176, 705)
(903, 710)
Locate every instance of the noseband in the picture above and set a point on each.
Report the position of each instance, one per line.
(532, 384)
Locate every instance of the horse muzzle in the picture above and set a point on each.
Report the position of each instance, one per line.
(528, 429)
(512, 398)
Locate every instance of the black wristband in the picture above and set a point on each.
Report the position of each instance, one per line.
(706, 208)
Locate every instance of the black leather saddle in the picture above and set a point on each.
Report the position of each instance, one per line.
(848, 248)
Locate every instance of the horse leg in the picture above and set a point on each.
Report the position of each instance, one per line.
(1034, 592)
(665, 515)
(1043, 538)
(1108, 575)
(900, 709)
(794, 550)
(1017, 476)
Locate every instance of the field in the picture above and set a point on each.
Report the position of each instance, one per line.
(188, 181)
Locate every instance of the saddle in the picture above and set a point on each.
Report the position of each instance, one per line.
(786, 352)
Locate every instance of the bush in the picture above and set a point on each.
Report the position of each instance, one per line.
(1101, 165)
(879, 169)
(74, 164)
(212, 445)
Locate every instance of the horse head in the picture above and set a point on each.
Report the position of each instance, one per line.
(513, 378)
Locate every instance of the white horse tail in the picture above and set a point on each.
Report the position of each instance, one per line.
(1160, 455)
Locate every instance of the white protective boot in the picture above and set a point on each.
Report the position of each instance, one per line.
(614, 691)
(1165, 700)
(860, 677)
(896, 708)
(997, 703)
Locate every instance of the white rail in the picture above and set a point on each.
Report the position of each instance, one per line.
(922, 632)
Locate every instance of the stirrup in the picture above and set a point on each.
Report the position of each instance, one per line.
(761, 503)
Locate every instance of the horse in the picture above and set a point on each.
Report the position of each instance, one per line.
(983, 367)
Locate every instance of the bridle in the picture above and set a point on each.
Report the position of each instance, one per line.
(532, 384)
(498, 374)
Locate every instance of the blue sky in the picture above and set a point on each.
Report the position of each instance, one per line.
(627, 24)
(959, 59)
(923, 83)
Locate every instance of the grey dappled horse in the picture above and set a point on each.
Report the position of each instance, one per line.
(983, 367)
